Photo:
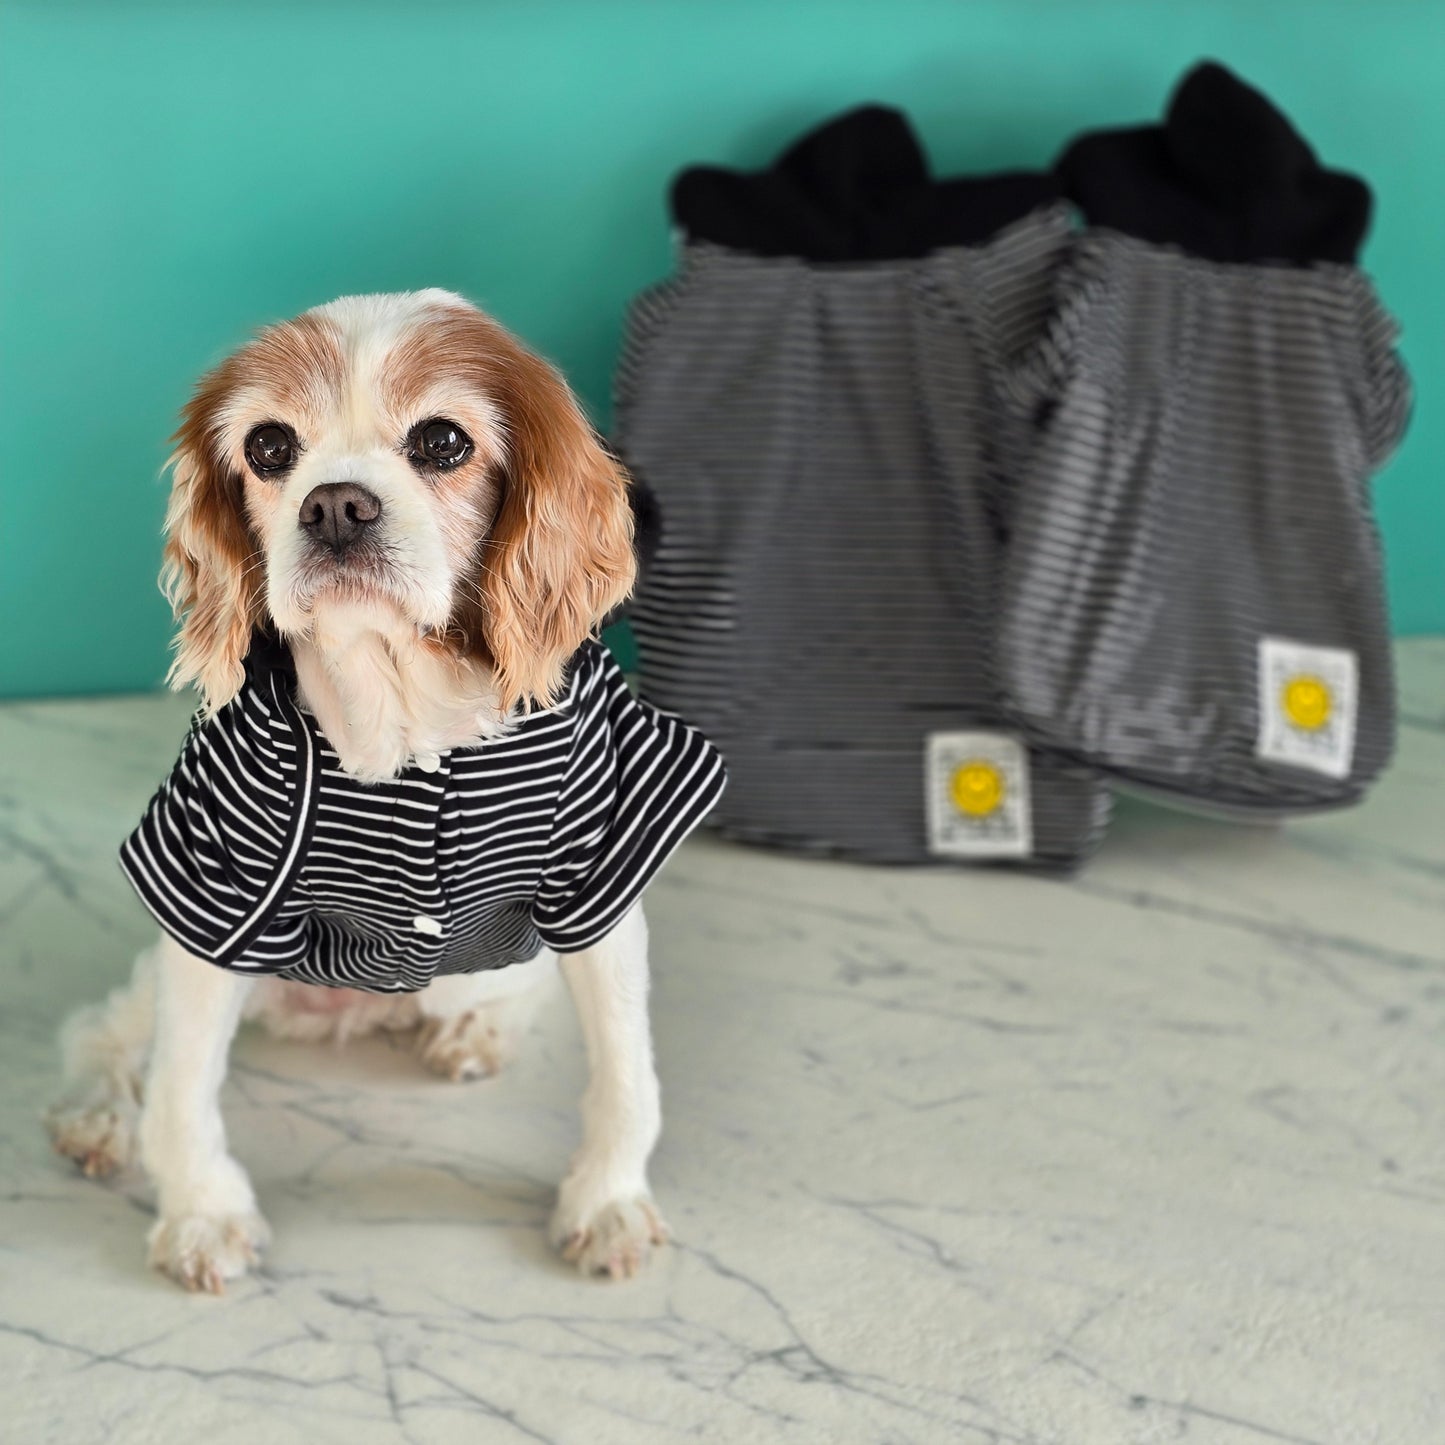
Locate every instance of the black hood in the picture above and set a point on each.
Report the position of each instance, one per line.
(855, 189)
(1226, 177)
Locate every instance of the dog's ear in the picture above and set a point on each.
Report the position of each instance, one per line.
(559, 555)
(213, 572)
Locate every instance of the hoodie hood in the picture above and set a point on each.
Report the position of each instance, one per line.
(1225, 177)
(855, 189)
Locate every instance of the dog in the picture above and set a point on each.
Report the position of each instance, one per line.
(416, 783)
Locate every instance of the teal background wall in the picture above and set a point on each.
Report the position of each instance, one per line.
(172, 175)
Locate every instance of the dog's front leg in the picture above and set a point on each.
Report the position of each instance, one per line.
(208, 1229)
(606, 1221)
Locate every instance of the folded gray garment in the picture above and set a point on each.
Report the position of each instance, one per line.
(830, 447)
(1193, 598)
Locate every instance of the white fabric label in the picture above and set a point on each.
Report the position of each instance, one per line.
(977, 789)
(1308, 701)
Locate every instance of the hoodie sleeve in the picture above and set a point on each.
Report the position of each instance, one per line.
(215, 852)
(1388, 394)
(1040, 372)
(638, 782)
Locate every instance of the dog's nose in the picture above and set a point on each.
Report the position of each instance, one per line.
(337, 513)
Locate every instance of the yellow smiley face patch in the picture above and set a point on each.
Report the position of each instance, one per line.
(1308, 696)
(976, 788)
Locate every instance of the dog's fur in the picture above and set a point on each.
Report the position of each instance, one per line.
(477, 586)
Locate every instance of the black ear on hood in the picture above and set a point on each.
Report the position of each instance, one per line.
(1226, 176)
(1227, 140)
(855, 189)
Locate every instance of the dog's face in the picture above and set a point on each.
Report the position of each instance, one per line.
(402, 458)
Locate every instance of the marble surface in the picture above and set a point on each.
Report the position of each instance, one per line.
(1154, 1155)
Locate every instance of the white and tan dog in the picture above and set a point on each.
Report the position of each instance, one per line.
(497, 535)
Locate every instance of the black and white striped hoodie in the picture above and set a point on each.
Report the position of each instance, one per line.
(816, 400)
(1193, 592)
(261, 855)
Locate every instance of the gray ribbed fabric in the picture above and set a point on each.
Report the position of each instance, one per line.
(827, 444)
(1200, 485)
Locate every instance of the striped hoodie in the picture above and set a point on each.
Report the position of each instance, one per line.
(816, 400)
(262, 856)
(1193, 596)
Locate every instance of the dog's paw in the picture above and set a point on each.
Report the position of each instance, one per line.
(100, 1135)
(614, 1238)
(202, 1251)
(472, 1045)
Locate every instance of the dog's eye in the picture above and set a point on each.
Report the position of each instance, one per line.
(439, 443)
(270, 448)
